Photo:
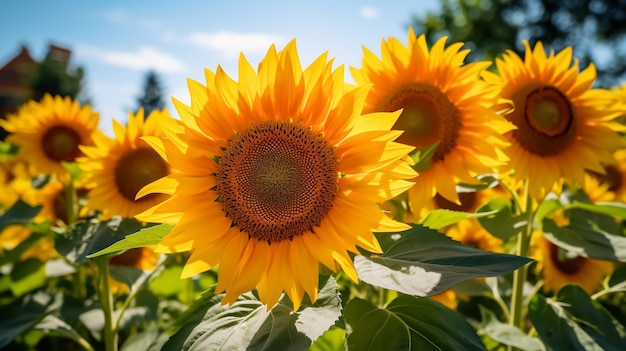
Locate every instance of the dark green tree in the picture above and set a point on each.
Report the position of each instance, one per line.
(596, 29)
(152, 97)
(54, 77)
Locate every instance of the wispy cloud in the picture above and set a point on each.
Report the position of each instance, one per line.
(368, 12)
(144, 58)
(231, 43)
(122, 16)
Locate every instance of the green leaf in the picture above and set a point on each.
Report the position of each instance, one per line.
(407, 323)
(19, 213)
(425, 262)
(331, 340)
(141, 238)
(24, 313)
(442, 217)
(506, 333)
(587, 242)
(8, 149)
(86, 238)
(27, 275)
(53, 326)
(248, 325)
(14, 255)
(503, 223)
(613, 209)
(575, 322)
(423, 157)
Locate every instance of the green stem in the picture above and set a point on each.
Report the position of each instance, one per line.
(106, 303)
(71, 203)
(519, 276)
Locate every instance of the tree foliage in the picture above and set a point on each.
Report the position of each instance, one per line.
(152, 97)
(596, 29)
(53, 77)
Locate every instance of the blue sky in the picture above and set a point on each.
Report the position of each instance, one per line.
(117, 42)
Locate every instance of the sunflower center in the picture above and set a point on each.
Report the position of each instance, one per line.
(130, 258)
(612, 177)
(565, 261)
(467, 198)
(60, 143)
(546, 127)
(277, 180)
(428, 116)
(136, 169)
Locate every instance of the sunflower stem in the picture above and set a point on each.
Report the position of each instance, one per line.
(519, 276)
(71, 203)
(106, 303)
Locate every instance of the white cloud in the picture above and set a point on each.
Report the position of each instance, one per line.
(121, 16)
(144, 58)
(368, 12)
(231, 43)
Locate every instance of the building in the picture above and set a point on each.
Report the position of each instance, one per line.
(15, 74)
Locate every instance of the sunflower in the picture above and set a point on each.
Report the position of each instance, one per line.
(15, 183)
(613, 179)
(444, 103)
(276, 173)
(49, 132)
(14, 234)
(564, 127)
(143, 258)
(114, 169)
(559, 267)
(470, 232)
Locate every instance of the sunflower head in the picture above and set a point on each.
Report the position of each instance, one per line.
(564, 127)
(443, 105)
(284, 169)
(559, 267)
(50, 131)
(114, 169)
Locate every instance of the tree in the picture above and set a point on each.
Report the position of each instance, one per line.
(152, 98)
(596, 29)
(54, 77)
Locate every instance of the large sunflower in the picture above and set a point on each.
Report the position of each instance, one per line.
(559, 267)
(563, 125)
(49, 132)
(613, 179)
(276, 173)
(444, 102)
(116, 168)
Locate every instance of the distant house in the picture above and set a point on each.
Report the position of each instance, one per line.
(14, 86)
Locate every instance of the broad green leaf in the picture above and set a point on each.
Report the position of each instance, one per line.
(27, 276)
(54, 326)
(503, 223)
(442, 217)
(248, 325)
(151, 339)
(19, 213)
(506, 333)
(331, 340)
(86, 238)
(575, 322)
(168, 283)
(546, 207)
(24, 313)
(141, 238)
(407, 323)
(587, 242)
(614, 209)
(425, 262)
